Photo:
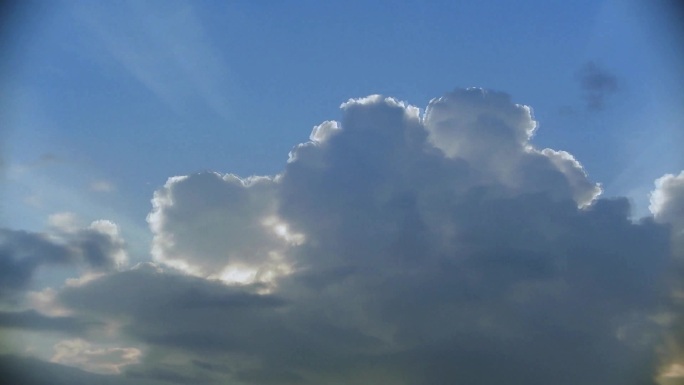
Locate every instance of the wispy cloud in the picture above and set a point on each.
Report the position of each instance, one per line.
(102, 186)
(96, 359)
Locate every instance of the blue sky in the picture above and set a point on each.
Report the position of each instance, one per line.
(133, 94)
(103, 102)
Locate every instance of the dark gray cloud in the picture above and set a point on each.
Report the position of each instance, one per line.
(597, 85)
(30, 371)
(397, 248)
(21, 253)
(167, 374)
(97, 247)
(31, 319)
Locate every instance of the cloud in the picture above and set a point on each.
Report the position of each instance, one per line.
(30, 371)
(33, 320)
(166, 374)
(219, 226)
(44, 161)
(105, 360)
(492, 134)
(97, 247)
(395, 247)
(667, 206)
(667, 200)
(597, 85)
(102, 186)
(176, 314)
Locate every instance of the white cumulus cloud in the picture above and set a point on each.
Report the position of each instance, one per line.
(398, 248)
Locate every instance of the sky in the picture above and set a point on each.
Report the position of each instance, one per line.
(414, 192)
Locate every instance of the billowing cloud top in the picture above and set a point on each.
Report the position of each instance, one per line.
(394, 248)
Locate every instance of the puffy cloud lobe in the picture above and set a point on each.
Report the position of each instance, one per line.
(442, 248)
(667, 206)
(205, 223)
(101, 246)
(476, 123)
(667, 200)
(492, 134)
(324, 131)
